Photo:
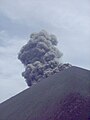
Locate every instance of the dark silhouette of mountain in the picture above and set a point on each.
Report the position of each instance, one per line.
(62, 96)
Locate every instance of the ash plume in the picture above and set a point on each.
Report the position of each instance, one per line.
(40, 57)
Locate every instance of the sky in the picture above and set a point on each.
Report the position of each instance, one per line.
(69, 20)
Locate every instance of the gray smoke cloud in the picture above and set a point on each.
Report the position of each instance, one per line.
(40, 57)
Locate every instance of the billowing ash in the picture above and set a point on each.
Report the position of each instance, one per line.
(40, 57)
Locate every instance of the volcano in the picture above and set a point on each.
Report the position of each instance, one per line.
(62, 96)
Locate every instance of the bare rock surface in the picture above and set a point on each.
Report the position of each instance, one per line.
(62, 96)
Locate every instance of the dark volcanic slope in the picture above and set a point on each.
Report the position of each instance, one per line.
(63, 96)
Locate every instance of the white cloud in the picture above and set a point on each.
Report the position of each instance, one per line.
(68, 19)
(48, 10)
(11, 81)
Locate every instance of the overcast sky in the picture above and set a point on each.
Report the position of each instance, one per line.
(69, 20)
